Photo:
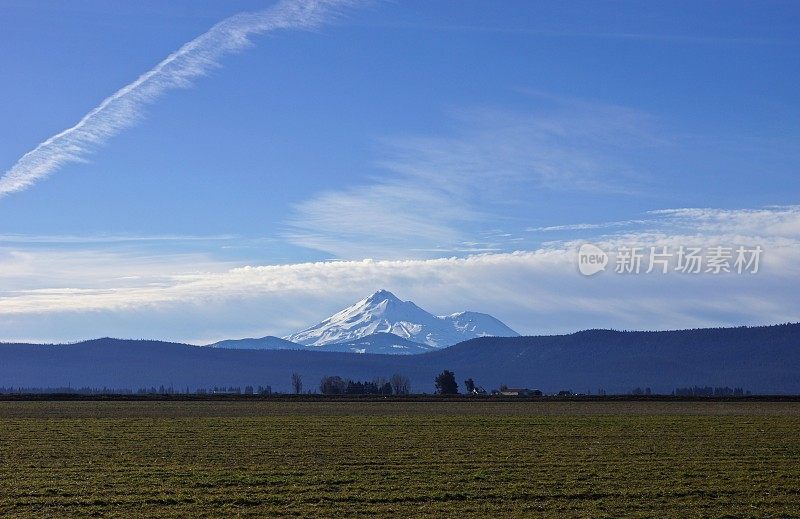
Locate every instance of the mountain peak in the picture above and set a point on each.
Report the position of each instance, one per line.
(382, 295)
(383, 312)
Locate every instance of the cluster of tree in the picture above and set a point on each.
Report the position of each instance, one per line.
(446, 384)
(161, 390)
(710, 391)
(340, 386)
(335, 385)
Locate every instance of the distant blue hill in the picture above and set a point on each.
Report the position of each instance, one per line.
(381, 342)
(262, 343)
(762, 359)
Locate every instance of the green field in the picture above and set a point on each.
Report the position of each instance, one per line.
(339, 459)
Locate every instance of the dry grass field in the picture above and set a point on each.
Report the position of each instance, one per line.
(358, 459)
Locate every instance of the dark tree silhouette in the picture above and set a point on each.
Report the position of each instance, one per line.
(297, 383)
(469, 384)
(446, 383)
(333, 386)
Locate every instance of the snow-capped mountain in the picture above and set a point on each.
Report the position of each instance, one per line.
(383, 312)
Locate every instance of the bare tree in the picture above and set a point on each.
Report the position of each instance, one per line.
(400, 384)
(297, 383)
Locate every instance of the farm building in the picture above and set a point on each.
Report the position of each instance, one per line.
(519, 391)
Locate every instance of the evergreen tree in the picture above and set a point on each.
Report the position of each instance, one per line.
(446, 383)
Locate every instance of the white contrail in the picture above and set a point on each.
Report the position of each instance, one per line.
(122, 109)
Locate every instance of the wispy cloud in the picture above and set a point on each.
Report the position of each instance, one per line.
(178, 70)
(391, 218)
(768, 221)
(585, 226)
(437, 191)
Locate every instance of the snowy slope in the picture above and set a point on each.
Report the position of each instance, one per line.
(383, 312)
(381, 342)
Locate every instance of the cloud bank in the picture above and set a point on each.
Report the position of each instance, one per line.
(123, 108)
(197, 298)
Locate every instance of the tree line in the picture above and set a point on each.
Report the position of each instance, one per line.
(710, 391)
(152, 390)
(397, 384)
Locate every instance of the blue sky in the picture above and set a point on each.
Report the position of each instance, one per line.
(394, 131)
